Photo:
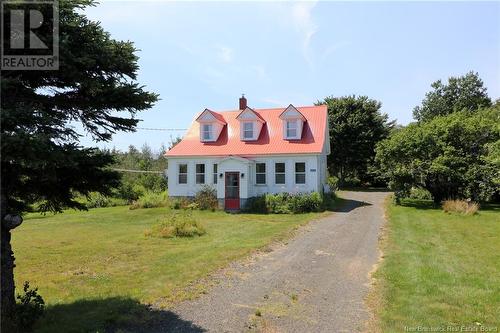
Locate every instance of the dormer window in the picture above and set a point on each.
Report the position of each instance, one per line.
(293, 123)
(207, 132)
(211, 125)
(250, 124)
(291, 129)
(248, 131)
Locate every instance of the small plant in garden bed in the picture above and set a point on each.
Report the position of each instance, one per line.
(178, 224)
(206, 198)
(181, 203)
(460, 206)
(333, 183)
(286, 203)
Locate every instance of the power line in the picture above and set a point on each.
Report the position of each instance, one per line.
(137, 171)
(161, 129)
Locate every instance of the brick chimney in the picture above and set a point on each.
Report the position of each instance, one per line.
(243, 102)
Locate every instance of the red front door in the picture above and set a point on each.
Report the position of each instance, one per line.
(232, 184)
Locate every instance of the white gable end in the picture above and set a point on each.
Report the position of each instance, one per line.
(206, 116)
(292, 113)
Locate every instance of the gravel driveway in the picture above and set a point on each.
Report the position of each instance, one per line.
(315, 283)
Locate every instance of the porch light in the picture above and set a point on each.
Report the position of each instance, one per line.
(242, 175)
(220, 175)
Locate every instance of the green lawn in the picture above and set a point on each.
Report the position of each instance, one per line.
(438, 269)
(97, 270)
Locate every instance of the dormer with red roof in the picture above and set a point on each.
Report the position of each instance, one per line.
(211, 125)
(293, 123)
(250, 124)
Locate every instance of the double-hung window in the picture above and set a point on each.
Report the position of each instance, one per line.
(300, 173)
(215, 173)
(183, 173)
(260, 173)
(200, 173)
(248, 130)
(291, 129)
(207, 132)
(279, 173)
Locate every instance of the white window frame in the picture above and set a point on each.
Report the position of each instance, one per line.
(207, 128)
(295, 128)
(179, 173)
(279, 173)
(215, 166)
(261, 173)
(245, 130)
(300, 173)
(200, 173)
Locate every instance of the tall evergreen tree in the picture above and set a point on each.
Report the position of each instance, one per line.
(42, 160)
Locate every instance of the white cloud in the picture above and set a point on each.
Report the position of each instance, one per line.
(225, 54)
(334, 48)
(260, 72)
(305, 26)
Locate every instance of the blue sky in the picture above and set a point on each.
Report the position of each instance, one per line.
(200, 55)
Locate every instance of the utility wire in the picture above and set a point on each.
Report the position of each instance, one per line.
(161, 129)
(137, 171)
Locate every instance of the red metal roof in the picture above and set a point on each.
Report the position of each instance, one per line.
(270, 140)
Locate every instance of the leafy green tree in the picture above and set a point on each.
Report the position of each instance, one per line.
(42, 160)
(356, 126)
(453, 156)
(461, 93)
(134, 184)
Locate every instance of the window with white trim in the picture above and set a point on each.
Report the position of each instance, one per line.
(207, 132)
(260, 173)
(200, 173)
(300, 173)
(279, 173)
(248, 130)
(183, 173)
(215, 173)
(291, 129)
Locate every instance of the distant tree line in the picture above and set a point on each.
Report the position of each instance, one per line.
(134, 184)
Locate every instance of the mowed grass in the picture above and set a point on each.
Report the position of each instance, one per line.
(96, 268)
(439, 269)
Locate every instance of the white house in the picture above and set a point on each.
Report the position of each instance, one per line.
(248, 152)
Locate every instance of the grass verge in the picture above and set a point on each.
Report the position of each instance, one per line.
(98, 271)
(438, 271)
